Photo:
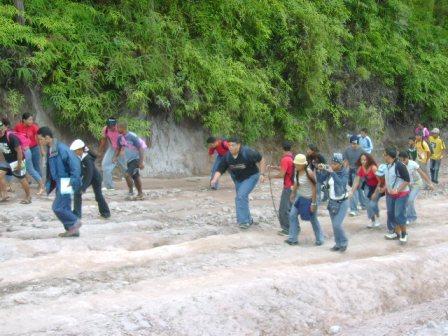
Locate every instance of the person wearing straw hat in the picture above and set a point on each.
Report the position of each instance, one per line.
(304, 198)
(90, 177)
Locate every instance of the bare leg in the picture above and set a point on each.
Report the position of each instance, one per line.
(26, 189)
(138, 185)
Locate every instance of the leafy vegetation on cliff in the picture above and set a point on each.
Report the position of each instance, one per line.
(253, 67)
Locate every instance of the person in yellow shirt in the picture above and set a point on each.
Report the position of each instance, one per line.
(423, 152)
(438, 149)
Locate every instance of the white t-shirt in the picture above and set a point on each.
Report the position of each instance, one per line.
(413, 173)
(332, 193)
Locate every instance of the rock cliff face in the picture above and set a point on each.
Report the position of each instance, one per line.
(177, 149)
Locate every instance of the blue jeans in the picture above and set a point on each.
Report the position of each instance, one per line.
(396, 211)
(218, 160)
(284, 209)
(243, 189)
(108, 167)
(359, 195)
(62, 208)
(30, 169)
(294, 226)
(434, 170)
(411, 214)
(336, 221)
(373, 208)
(35, 154)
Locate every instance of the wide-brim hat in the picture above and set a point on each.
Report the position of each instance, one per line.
(300, 159)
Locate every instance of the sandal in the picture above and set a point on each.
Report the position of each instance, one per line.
(139, 198)
(26, 201)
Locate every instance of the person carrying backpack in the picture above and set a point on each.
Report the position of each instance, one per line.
(304, 198)
(286, 172)
(133, 148)
(242, 162)
(12, 164)
(423, 152)
(90, 177)
(397, 195)
(314, 158)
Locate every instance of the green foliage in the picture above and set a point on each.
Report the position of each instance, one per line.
(254, 67)
(14, 102)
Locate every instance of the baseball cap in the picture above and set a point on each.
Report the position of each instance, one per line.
(381, 171)
(435, 131)
(337, 158)
(77, 144)
(111, 122)
(354, 139)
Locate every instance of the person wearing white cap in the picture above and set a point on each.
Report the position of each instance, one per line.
(304, 200)
(438, 149)
(90, 177)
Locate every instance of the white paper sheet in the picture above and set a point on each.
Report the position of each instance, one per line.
(66, 188)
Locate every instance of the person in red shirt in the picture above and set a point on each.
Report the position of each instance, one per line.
(32, 155)
(221, 148)
(286, 172)
(367, 180)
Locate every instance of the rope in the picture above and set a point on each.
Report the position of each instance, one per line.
(272, 193)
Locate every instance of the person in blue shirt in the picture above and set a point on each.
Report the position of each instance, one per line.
(365, 142)
(61, 163)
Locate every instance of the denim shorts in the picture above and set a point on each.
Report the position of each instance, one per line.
(133, 169)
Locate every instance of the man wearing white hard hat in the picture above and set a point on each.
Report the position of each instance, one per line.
(438, 149)
(90, 177)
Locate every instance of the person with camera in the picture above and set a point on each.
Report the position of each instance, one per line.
(304, 200)
(336, 178)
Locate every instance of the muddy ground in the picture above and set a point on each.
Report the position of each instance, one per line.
(177, 264)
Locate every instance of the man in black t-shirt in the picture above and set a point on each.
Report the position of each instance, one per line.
(12, 153)
(242, 162)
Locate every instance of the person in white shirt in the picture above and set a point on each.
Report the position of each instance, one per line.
(416, 174)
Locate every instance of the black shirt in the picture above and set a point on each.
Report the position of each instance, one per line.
(90, 174)
(8, 148)
(243, 166)
(314, 160)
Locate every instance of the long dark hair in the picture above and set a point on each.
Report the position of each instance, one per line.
(370, 160)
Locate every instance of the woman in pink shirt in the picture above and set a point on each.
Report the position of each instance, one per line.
(29, 129)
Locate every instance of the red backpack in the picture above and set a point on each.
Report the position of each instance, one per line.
(23, 139)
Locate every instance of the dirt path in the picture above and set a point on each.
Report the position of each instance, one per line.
(176, 264)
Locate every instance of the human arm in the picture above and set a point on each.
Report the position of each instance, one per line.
(426, 178)
(222, 168)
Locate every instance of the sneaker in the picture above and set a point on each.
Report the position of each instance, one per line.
(352, 213)
(376, 223)
(335, 248)
(244, 226)
(371, 225)
(287, 241)
(318, 243)
(391, 236)
(403, 239)
(68, 234)
(283, 233)
(342, 248)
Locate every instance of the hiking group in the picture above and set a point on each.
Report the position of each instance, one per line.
(70, 171)
(352, 181)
